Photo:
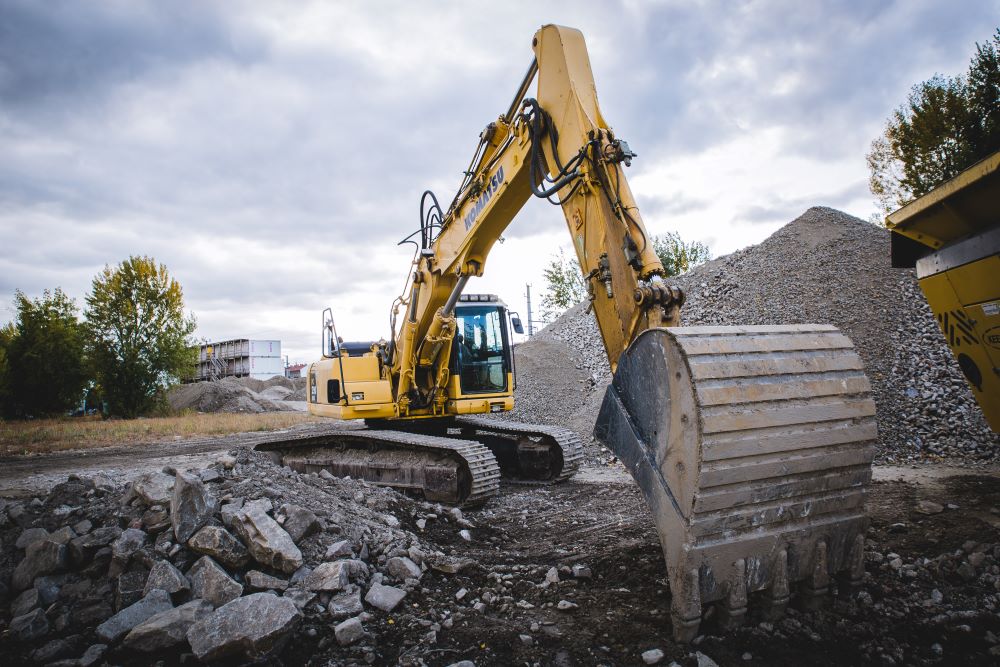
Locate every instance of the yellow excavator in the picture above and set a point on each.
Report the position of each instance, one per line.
(752, 445)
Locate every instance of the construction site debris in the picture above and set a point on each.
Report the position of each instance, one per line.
(239, 395)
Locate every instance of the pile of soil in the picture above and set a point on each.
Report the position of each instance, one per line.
(238, 395)
(824, 267)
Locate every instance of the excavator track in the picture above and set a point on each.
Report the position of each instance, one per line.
(527, 452)
(442, 469)
(753, 448)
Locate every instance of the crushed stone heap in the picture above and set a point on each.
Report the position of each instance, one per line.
(823, 267)
(238, 395)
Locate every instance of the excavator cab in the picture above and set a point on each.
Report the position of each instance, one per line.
(482, 357)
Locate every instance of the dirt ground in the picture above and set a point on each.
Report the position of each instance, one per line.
(599, 519)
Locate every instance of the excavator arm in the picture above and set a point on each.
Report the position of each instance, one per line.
(557, 147)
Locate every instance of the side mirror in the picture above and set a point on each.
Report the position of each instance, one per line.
(515, 322)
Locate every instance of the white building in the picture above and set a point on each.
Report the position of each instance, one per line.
(260, 359)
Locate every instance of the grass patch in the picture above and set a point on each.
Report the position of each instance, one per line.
(39, 436)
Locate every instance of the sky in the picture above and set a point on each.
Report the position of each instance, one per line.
(272, 155)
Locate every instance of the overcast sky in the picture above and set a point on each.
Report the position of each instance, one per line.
(272, 154)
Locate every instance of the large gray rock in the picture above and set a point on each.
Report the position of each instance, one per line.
(210, 582)
(154, 488)
(29, 627)
(221, 545)
(385, 598)
(30, 536)
(251, 627)
(127, 544)
(63, 535)
(299, 522)
(41, 557)
(25, 602)
(92, 655)
(328, 577)
(268, 543)
(83, 548)
(349, 632)
(119, 625)
(259, 581)
(168, 578)
(345, 604)
(130, 587)
(168, 628)
(190, 506)
(403, 568)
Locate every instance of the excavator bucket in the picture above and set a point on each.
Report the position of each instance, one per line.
(753, 448)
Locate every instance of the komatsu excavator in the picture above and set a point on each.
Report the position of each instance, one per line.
(752, 445)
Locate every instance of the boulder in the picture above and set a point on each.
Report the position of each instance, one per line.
(251, 627)
(30, 627)
(168, 628)
(403, 568)
(168, 578)
(30, 536)
(129, 588)
(210, 582)
(25, 602)
(121, 623)
(341, 549)
(385, 598)
(349, 631)
(221, 545)
(41, 557)
(63, 535)
(229, 510)
(127, 544)
(83, 548)
(300, 522)
(300, 598)
(154, 488)
(92, 656)
(257, 580)
(268, 543)
(346, 604)
(328, 577)
(190, 506)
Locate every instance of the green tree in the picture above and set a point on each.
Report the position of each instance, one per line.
(565, 286)
(139, 335)
(43, 367)
(947, 124)
(677, 255)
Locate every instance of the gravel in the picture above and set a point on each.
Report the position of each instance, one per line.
(823, 267)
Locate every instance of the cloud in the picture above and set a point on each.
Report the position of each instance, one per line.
(273, 154)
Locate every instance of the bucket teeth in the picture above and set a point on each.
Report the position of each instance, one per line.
(753, 448)
(733, 608)
(815, 587)
(685, 605)
(775, 598)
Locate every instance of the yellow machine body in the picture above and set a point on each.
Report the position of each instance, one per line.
(952, 236)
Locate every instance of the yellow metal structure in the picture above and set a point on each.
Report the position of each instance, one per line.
(952, 236)
(752, 445)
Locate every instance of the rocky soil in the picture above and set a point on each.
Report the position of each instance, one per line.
(823, 267)
(245, 561)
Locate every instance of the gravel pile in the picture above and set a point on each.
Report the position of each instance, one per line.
(238, 395)
(823, 267)
(242, 560)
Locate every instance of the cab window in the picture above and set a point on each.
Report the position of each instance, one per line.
(479, 349)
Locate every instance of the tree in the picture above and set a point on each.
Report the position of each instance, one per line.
(138, 334)
(566, 287)
(947, 124)
(677, 255)
(42, 365)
